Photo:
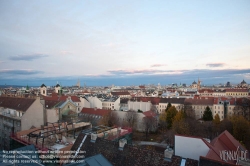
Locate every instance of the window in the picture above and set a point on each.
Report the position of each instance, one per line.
(218, 111)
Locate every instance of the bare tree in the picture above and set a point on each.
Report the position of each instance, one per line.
(154, 109)
(131, 118)
(243, 107)
(189, 111)
(110, 119)
(149, 124)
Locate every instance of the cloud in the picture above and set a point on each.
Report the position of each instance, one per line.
(215, 64)
(19, 71)
(65, 52)
(144, 71)
(194, 73)
(27, 57)
(158, 65)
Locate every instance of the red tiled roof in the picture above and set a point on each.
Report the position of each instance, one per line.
(153, 100)
(16, 103)
(61, 98)
(51, 103)
(149, 113)
(94, 111)
(230, 99)
(225, 141)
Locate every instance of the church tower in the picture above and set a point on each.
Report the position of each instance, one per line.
(43, 90)
(57, 88)
(199, 84)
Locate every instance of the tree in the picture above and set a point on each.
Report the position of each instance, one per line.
(168, 106)
(208, 115)
(171, 112)
(216, 123)
(241, 129)
(149, 123)
(216, 119)
(181, 127)
(162, 121)
(189, 111)
(131, 118)
(243, 107)
(110, 119)
(179, 116)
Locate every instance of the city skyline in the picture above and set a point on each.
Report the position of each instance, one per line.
(124, 43)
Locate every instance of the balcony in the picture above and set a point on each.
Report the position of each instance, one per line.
(8, 123)
(10, 115)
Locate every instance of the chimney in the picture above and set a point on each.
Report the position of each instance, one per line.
(168, 153)
(93, 137)
(122, 143)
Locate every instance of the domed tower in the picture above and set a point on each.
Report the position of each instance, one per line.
(43, 90)
(194, 85)
(57, 88)
(243, 84)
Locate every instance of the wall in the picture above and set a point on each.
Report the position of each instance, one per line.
(95, 102)
(143, 106)
(52, 115)
(188, 147)
(122, 118)
(33, 116)
(84, 103)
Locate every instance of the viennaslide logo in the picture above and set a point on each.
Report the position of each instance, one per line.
(227, 155)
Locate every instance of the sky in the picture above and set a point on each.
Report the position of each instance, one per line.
(105, 42)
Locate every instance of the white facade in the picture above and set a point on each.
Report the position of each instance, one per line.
(189, 147)
(218, 109)
(84, 103)
(111, 105)
(219, 93)
(94, 102)
(143, 106)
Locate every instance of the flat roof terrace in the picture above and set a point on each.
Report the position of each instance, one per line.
(46, 137)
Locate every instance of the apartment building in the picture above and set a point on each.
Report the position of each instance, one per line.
(237, 92)
(18, 114)
(199, 105)
(177, 102)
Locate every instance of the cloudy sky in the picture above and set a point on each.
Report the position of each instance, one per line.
(124, 42)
